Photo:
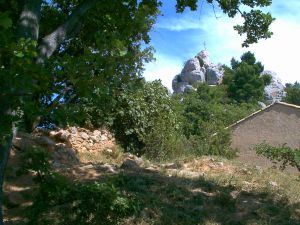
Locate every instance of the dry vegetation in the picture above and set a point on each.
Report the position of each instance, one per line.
(206, 191)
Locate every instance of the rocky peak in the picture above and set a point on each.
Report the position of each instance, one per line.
(197, 69)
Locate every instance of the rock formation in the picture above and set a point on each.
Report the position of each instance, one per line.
(197, 69)
(274, 91)
(200, 69)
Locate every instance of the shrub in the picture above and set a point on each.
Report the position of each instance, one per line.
(283, 154)
(205, 114)
(141, 113)
(293, 94)
(62, 202)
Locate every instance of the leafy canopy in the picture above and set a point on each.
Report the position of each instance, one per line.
(69, 52)
(293, 93)
(204, 115)
(244, 80)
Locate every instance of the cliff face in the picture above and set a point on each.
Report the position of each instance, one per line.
(200, 69)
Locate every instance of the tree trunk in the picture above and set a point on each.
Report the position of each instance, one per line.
(52, 41)
(5, 148)
(30, 19)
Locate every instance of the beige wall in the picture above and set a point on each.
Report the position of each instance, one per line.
(276, 125)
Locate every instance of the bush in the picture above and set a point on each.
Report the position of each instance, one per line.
(293, 94)
(283, 154)
(205, 114)
(146, 112)
(62, 202)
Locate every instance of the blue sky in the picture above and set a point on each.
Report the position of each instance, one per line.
(178, 37)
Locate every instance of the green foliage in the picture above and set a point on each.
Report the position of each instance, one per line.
(144, 112)
(5, 21)
(35, 159)
(256, 23)
(293, 94)
(244, 80)
(95, 47)
(254, 26)
(283, 154)
(62, 202)
(204, 116)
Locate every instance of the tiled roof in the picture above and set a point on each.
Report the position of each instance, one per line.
(261, 110)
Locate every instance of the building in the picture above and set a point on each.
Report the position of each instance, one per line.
(277, 124)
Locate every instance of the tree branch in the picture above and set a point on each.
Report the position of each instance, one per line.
(30, 19)
(52, 41)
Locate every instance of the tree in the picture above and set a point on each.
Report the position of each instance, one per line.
(205, 113)
(54, 55)
(293, 93)
(244, 80)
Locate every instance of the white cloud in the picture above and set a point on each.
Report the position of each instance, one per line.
(281, 52)
(164, 68)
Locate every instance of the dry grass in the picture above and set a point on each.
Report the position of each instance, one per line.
(203, 191)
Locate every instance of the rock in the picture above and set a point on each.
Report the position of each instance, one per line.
(193, 77)
(94, 138)
(273, 184)
(214, 75)
(56, 164)
(170, 166)
(261, 105)
(130, 164)
(97, 133)
(191, 65)
(234, 194)
(220, 164)
(197, 70)
(274, 91)
(180, 87)
(15, 199)
(84, 135)
(203, 57)
(108, 168)
(73, 130)
(103, 138)
(47, 142)
(52, 133)
(109, 151)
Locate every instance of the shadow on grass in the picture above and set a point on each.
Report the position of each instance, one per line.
(157, 198)
(178, 200)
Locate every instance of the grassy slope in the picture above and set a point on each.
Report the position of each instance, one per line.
(206, 191)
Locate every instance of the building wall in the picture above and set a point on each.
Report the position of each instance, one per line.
(276, 125)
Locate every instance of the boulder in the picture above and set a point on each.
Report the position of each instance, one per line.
(73, 130)
(84, 136)
(214, 75)
(103, 137)
(191, 65)
(203, 57)
(130, 164)
(193, 77)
